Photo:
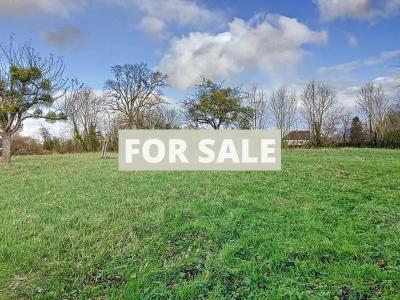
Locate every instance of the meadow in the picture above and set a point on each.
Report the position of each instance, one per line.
(326, 227)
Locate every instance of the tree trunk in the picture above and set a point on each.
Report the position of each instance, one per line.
(6, 152)
(104, 147)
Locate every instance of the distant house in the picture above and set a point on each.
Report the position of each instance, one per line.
(297, 138)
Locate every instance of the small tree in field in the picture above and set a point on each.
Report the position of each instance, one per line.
(29, 86)
(357, 136)
(216, 106)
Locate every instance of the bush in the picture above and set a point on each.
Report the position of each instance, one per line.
(63, 146)
(21, 145)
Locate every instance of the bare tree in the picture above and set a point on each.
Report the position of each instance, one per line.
(29, 87)
(398, 88)
(258, 102)
(345, 117)
(161, 117)
(172, 117)
(85, 108)
(283, 105)
(318, 101)
(133, 90)
(109, 126)
(374, 106)
(332, 128)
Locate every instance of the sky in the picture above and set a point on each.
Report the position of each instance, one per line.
(269, 43)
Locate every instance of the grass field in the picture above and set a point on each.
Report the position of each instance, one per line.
(327, 226)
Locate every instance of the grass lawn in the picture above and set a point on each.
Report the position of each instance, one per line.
(327, 226)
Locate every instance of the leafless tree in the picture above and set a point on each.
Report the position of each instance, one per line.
(133, 90)
(283, 105)
(374, 105)
(397, 105)
(173, 117)
(29, 87)
(161, 117)
(318, 101)
(257, 100)
(85, 108)
(345, 116)
(109, 126)
(336, 126)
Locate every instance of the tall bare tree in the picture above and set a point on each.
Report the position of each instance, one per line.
(133, 90)
(374, 106)
(29, 88)
(257, 100)
(332, 128)
(85, 108)
(283, 105)
(345, 117)
(398, 88)
(85, 111)
(318, 101)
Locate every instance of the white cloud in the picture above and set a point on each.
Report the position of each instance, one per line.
(31, 127)
(157, 15)
(183, 12)
(351, 66)
(357, 9)
(269, 43)
(332, 9)
(152, 27)
(348, 90)
(390, 85)
(352, 40)
(30, 7)
(347, 95)
(383, 56)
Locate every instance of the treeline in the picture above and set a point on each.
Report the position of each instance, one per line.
(33, 87)
(132, 99)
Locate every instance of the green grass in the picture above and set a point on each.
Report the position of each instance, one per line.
(327, 226)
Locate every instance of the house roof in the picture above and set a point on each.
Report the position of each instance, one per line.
(298, 135)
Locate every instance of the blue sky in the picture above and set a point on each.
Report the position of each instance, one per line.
(269, 43)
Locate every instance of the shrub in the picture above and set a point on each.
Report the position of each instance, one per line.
(25, 146)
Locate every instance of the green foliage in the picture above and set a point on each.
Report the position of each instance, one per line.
(24, 75)
(46, 85)
(91, 139)
(78, 140)
(28, 83)
(52, 116)
(216, 106)
(74, 227)
(50, 143)
(357, 135)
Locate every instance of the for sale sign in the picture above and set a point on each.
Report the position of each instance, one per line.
(202, 150)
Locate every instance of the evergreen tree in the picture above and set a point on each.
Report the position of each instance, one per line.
(92, 142)
(356, 132)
